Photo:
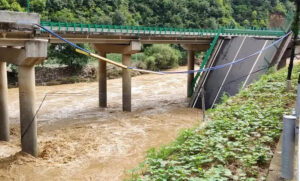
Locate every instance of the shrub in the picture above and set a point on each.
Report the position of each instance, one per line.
(161, 57)
(65, 55)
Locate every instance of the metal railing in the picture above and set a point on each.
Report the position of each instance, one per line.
(205, 60)
(143, 30)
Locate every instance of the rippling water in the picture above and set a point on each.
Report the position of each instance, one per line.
(79, 141)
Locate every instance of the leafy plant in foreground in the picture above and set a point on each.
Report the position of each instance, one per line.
(237, 144)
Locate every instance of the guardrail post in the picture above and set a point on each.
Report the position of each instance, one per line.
(74, 27)
(288, 147)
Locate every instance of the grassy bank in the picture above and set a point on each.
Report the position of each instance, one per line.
(238, 142)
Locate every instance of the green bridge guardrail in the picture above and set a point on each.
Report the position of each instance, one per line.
(205, 60)
(98, 28)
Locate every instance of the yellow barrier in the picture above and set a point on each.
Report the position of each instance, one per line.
(102, 58)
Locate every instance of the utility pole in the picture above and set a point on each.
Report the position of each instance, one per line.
(28, 6)
(295, 29)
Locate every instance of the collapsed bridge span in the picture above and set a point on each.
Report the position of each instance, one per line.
(229, 80)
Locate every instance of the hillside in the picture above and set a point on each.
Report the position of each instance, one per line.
(168, 13)
(176, 13)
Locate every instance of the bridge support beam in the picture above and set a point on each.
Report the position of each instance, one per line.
(126, 51)
(102, 82)
(4, 122)
(27, 109)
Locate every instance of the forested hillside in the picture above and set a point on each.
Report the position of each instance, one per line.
(175, 13)
(167, 13)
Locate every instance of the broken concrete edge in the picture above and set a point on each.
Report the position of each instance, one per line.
(11, 22)
(19, 17)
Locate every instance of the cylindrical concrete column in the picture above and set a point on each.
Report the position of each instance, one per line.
(102, 82)
(126, 80)
(27, 109)
(4, 123)
(288, 147)
(191, 66)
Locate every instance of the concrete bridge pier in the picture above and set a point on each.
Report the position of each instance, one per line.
(27, 109)
(126, 51)
(33, 52)
(102, 81)
(126, 83)
(4, 122)
(191, 49)
(191, 66)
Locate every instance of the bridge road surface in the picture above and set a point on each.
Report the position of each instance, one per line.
(232, 78)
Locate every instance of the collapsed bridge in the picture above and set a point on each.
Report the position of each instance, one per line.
(24, 44)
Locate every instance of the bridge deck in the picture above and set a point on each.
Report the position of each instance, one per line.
(86, 33)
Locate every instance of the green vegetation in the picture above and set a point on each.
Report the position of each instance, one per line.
(64, 54)
(256, 12)
(238, 142)
(12, 5)
(160, 57)
(118, 57)
(166, 13)
(172, 13)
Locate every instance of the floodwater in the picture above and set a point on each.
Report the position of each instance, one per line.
(79, 141)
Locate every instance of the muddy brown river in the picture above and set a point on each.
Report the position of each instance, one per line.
(79, 141)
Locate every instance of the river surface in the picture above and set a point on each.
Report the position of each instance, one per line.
(79, 141)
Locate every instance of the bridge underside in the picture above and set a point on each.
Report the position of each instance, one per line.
(127, 38)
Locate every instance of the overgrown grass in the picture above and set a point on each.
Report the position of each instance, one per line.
(237, 144)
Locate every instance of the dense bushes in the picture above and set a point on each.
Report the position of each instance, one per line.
(170, 13)
(154, 57)
(66, 55)
(237, 144)
(161, 57)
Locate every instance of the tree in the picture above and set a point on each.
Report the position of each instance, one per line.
(65, 54)
(161, 57)
(4, 5)
(118, 18)
(12, 5)
(37, 5)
